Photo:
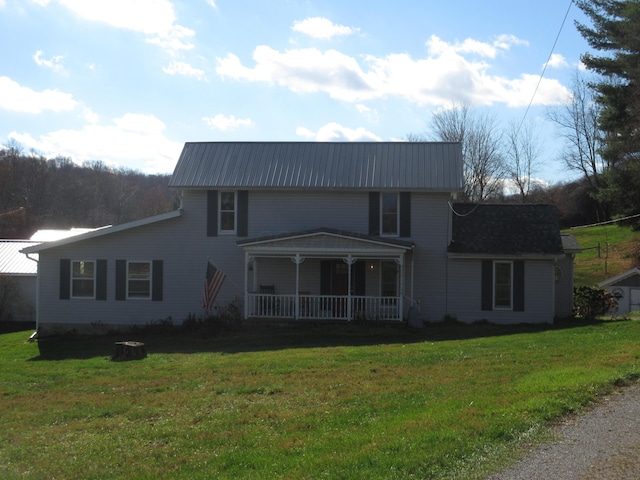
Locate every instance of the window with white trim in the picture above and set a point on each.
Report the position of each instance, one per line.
(389, 214)
(83, 279)
(503, 285)
(139, 280)
(227, 217)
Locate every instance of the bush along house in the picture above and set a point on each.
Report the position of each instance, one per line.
(312, 231)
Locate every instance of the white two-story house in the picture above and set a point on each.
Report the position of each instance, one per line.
(313, 231)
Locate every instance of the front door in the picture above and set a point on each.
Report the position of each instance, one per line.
(334, 281)
(339, 287)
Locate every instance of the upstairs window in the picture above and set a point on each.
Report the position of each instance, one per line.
(227, 212)
(83, 279)
(139, 280)
(389, 206)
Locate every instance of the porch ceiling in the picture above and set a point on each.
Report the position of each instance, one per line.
(326, 243)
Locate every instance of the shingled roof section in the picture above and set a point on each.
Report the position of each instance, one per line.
(501, 229)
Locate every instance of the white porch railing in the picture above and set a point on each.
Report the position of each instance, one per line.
(318, 307)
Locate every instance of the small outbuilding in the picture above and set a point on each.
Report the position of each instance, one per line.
(625, 287)
(18, 277)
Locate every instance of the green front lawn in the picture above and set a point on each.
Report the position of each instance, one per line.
(333, 402)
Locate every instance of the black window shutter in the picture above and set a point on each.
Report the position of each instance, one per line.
(405, 214)
(121, 279)
(157, 281)
(212, 213)
(243, 213)
(487, 285)
(101, 280)
(325, 277)
(374, 213)
(65, 279)
(518, 286)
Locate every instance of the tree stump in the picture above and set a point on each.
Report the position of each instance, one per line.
(123, 351)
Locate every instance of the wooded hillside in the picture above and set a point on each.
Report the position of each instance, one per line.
(37, 193)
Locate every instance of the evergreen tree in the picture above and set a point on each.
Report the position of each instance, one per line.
(615, 32)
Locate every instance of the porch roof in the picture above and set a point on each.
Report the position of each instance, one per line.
(325, 242)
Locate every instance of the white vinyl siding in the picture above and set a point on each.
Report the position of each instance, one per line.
(464, 293)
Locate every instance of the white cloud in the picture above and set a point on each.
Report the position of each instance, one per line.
(55, 63)
(444, 75)
(133, 140)
(3, 3)
(16, 98)
(212, 3)
(304, 70)
(557, 61)
(505, 42)
(437, 46)
(154, 18)
(370, 114)
(182, 68)
(90, 116)
(322, 28)
(224, 123)
(334, 132)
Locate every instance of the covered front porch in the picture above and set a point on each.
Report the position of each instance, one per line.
(327, 275)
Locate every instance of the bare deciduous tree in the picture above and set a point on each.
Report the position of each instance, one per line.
(578, 122)
(481, 149)
(522, 158)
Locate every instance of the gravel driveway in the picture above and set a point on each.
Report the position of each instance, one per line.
(602, 443)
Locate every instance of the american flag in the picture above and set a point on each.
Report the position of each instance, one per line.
(212, 283)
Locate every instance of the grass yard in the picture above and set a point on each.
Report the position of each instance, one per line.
(448, 402)
(619, 250)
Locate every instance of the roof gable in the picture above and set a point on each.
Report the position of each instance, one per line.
(501, 229)
(433, 166)
(99, 232)
(324, 240)
(633, 272)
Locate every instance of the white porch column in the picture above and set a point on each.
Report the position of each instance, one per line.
(350, 260)
(297, 260)
(246, 283)
(400, 262)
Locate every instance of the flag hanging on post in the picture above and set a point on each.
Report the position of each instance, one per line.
(212, 283)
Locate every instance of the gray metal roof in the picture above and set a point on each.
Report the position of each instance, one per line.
(433, 166)
(13, 262)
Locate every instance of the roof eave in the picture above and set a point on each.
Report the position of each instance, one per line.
(103, 231)
(507, 256)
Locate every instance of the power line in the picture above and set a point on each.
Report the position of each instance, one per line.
(12, 212)
(608, 222)
(545, 67)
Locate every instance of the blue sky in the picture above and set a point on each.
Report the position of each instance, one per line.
(129, 81)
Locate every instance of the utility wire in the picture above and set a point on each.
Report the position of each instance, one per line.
(545, 67)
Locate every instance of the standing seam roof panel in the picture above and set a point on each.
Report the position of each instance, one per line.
(332, 165)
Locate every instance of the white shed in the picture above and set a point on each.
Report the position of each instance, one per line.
(626, 289)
